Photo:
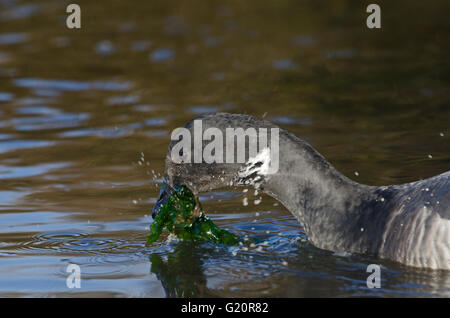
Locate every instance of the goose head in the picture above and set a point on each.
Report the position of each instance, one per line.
(218, 150)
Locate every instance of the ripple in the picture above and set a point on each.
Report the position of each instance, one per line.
(13, 145)
(6, 136)
(104, 266)
(63, 241)
(162, 55)
(105, 48)
(37, 110)
(34, 101)
(13, 38)
(145, 108)
(82, 243)
(8, 198)
(204, 109)
(123, 100)
(10, 172)
(74, 86)
(59, 236)
(19, 12)
(157, 133)
(54, 121)
(107, 132)
(5, 97)
(289, 120)
(89, 245)
(47, 241)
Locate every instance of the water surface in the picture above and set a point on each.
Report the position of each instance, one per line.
(86, 115)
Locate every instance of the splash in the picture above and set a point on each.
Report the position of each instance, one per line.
(182, 216)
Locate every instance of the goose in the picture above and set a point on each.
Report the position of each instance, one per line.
(406, 223)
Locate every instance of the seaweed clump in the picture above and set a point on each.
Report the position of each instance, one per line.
(182, 216)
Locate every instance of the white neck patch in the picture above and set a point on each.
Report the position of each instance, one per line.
(258, 164)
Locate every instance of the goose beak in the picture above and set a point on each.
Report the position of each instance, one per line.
(164, 194)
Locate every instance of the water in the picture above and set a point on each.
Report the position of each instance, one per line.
(78, 107)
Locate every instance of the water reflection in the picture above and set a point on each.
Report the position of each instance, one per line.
(15, 172)
(121, 100)
(56, 120)
(5, 97)
(105, 48)
(12, 145)
(15, 12)
(161, 55)
(201, 270)
(191, 281)
(66, 85)
(13, 38)
(204, 109)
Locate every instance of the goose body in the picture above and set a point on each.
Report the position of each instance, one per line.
(407, 223)
(417, 230)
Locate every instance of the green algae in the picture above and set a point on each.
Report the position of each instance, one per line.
(182, 216)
